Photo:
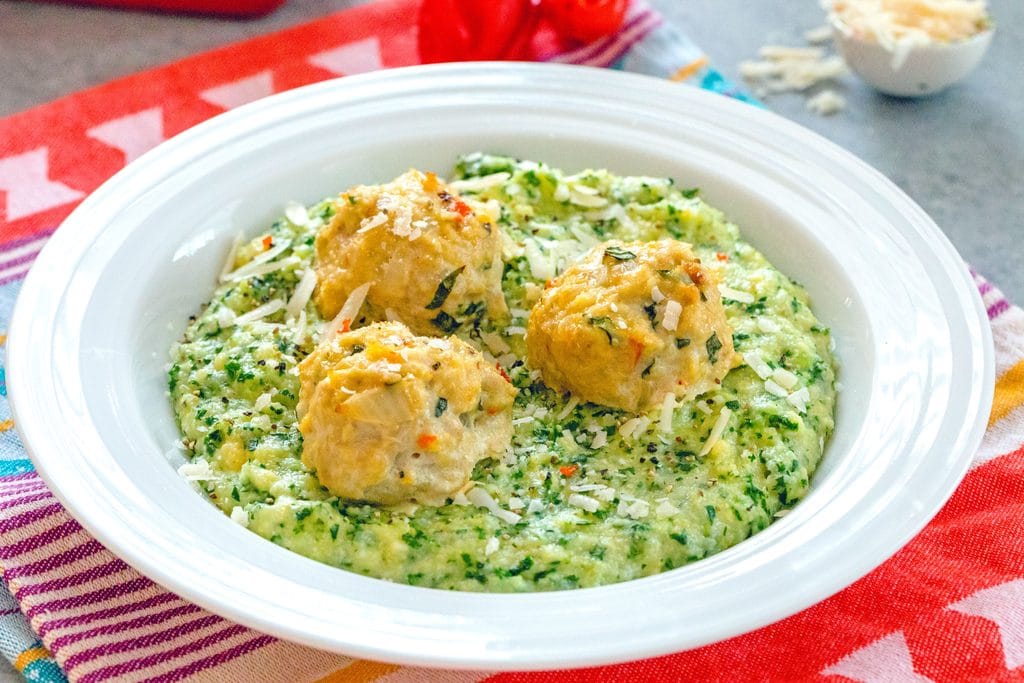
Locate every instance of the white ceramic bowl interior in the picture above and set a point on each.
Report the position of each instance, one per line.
(925, 70)
(114, 287)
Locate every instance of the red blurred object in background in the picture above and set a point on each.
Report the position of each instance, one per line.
(472, 30)
(224, 8)
(586, 20)
(451, 30)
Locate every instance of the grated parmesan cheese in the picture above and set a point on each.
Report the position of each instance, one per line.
(349, 310)
(826, 103)
(819, 34)
(229, 262)
(668, 406)
(569, 407)
(492, 546)
(303, 291)
(265, 257)
(263, 402)
(655, 294)
(299, 335)
(798, 399)
(716, 432)
(600, 439)
(634, 509)
(541, 267)
(757, 364)
(225, 317)
(901, 25)
(296, 214)
(633, 426)
(584, 502)
(666, 509)
(670, 321)
(198, 470)
(784, 378)
(481, 498)
(775, 389)
(515, 331)
(495, 342)
(371, 222)
(260, 312)
(482, 183)
(239, 516)
(735, 294)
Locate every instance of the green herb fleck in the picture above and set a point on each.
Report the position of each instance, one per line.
(713, 345)
(619, 253)
(651, 311)
(442, 405)
(680, 537)
(445, 288)
(690, 192)
(780, 421)
(602, 323)
(682, 342)
(518, 569)
(710, 509)
(445, 323)
(233, 368)
(732, 405)
(414, 540)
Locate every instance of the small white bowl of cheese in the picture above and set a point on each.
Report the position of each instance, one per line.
(911, 48)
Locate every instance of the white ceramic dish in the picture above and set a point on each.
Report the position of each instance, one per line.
(926, 69)
(113, 288)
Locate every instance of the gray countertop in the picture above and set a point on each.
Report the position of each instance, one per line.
(959, 154)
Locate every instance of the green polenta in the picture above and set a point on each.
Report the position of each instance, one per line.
(601, 496)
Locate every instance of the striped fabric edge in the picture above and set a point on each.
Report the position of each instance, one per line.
(1005, 431)
(640, 21)
(103, 621)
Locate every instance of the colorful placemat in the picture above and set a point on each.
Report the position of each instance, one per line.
(948, 607)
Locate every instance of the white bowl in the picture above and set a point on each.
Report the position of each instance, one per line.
(114, 286)
(926, 70)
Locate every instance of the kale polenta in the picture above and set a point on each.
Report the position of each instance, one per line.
(518, 380)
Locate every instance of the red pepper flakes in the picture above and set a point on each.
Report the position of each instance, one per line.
(462, 208)
(568, 470)
(346, 326)
(268, 242)
(721, 256)
(426, 440)
(501, 371)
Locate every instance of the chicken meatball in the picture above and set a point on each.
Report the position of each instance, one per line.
(630, 323)
(434, 260)
(389, 417)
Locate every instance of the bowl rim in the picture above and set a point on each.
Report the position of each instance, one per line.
(35, 432)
